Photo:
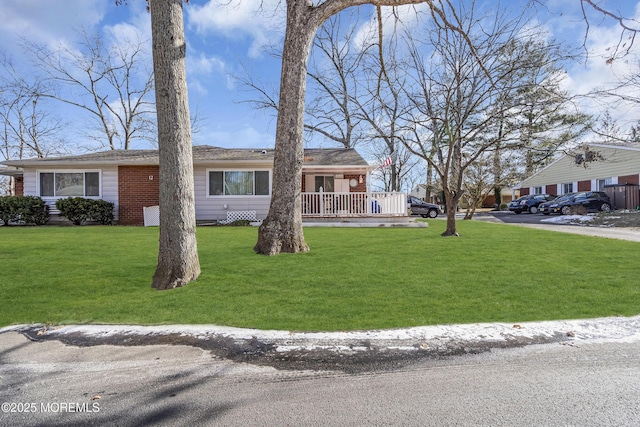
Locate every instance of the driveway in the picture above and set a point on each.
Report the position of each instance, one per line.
(559, 223)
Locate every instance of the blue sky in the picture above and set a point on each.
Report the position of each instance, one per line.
(223, 40)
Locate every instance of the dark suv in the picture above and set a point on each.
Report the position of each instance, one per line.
(422, 208)
(591, 201)
(529, 203)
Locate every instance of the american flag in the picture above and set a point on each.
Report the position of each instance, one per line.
(391, 160)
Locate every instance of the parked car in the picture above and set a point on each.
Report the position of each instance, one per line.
(592, 201)
(529, 203)
(422, 208)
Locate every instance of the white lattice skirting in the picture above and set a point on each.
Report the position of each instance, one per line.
(239, 216)
(151, 216)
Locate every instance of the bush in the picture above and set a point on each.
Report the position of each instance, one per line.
(504, 207)
(75, 209)
(78, 210)
(23, 209)
(101, 211)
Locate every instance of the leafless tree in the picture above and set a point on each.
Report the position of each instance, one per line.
(28, 130)
(332, 74)
(478, 184)
(629, 27)
(333, 71)
(112, 84)
(460, 94)
(281, 231)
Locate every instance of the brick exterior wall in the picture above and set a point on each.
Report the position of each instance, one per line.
(628, 179)
(136, 191)
(551, 189)
(489, 201)
(361, 187)
(584, 185)
(19, 186)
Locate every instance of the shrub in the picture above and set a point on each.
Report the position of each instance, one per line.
(504, 207)
(101, 211)
(24, 209)
(78, 210)
(75, 209)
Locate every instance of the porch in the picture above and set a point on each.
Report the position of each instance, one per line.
(344, 205)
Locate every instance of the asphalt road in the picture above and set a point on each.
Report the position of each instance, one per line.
(581, 383)
(509, 217)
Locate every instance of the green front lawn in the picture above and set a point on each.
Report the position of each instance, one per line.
(353, 278)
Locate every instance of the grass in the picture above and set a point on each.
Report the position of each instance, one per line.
(353, 278)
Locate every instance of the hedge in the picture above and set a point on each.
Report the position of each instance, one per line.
(78, 210)
(23, 210)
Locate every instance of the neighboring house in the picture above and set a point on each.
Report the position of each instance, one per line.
(16, 183)
(420, 192)
(334, 182)
(617, 174)
(505, 197)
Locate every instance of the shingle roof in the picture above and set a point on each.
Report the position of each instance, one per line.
(202, 153)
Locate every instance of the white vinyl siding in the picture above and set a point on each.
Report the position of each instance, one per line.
(209, 208)
(618, 161)
(110, 187)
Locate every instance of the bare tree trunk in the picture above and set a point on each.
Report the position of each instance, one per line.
(178, 262)
(281, 231)
(451, 204)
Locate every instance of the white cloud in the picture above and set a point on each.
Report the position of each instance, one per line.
(47, 22)
(204, 64)
(393, 20)
(605, 65)
(137, 28)
(262, 21)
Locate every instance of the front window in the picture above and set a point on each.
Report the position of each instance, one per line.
(326, 182)
(603, 182)
(537, 190)
(69, 184)
(239, 183)
(567, 188)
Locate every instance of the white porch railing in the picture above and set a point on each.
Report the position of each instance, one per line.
(354, 204)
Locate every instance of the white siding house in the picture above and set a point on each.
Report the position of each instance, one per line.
(334, 182)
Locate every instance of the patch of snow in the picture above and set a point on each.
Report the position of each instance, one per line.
(605, 329)
(569, 219)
